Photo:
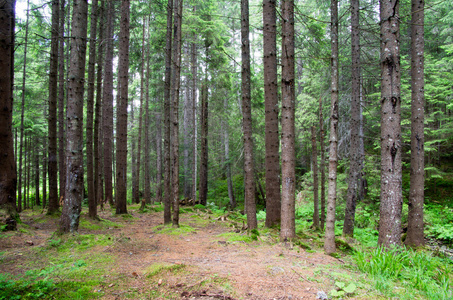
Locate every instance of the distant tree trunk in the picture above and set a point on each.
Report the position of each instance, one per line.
(37, 194)
(391, 169)
(69, 221)
(147, 177)
(97, 135)
(194, 108)
(329, 239)
(167, 101)
(159, 157)
(44, 174)
(355, 167)
(92, 208)
(203, 189)
(249, 180)
(52, 117)
(314, 161)
(27, 170)
(22, 111)
(61, 103)
(226, 137)
(121, 125)
(288, 227)
(8, 175)
(107, 105)
(415, 235)
(322, 167)
(272, 162)
(133, 154)
(186, 131)
(140, 117)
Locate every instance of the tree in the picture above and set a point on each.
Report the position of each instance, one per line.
(69, 221)
(391, 147)
(249, 180)
(8, 176)
(329, 240)
(314, 161)
(203, 188)
(321, 166)
(61, 103)
(288, 226)
(356, 161)
(52, 118)
(121, 125)
(415, 234)
(193, 62)
(272, 162)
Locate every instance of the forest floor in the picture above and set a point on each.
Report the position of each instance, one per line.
(135, 256)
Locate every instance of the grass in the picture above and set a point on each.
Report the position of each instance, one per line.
(170, 230)
(158, 268)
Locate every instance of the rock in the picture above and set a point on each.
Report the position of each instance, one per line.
(321, 295)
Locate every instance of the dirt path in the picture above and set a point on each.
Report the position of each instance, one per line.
(197, 261)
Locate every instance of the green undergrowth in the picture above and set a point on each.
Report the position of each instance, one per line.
(159, 268)
(170, 230)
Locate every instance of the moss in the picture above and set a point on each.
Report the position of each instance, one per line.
(158, 268)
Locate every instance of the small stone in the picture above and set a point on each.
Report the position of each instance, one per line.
(321, 295)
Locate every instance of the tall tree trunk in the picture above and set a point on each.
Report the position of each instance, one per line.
(69, 221)
(175, 103)
(146, 158)
(314, 161)
(121, 125)
(167, 101)
(203, 189)
(186, 130)
(107, 105)
(37, 194)
(272, 162)
(97, 134)
(61, 104)
(249, 180)
(226, 137)
(193, 59)
(92, 208)
(329, 238)
(415, 234)
(52, 117)
(22, 111)
(355, 167)
(288, 227)
(159, 157)
(391, 169)
(44, 174)
(27, 166)
(321, 166)
(8, 176)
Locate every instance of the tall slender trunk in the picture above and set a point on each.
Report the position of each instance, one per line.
(329, 239)
(314, 161)
(121, 124)
(22, 112)
(61, 103)
(186, 130)
(92, 208)
(194, 120)
(44, 173)
(37, 179)
(415, 234)
(203, 188)
(52, 117)
(159, 157)
(391, 147)
(288, 229)
(226, 137)
(355, 167)
(28, 167)
(272, 162)
(146, 158)
(107, 106)
(322, 166)
(69, 221)
(249, 180)
(175, 106)
(167, 101)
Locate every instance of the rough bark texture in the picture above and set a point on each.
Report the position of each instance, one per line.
(391, 148)
(146, 138)
(314, 161)
(61, 104)
(356, 163)
(92, 208)
(52, 117)
(322, 166)
(69, 221)
(272, 162)
(107, 106)
(121, 118)
(329, 239)
(249, 180)
(226, 140)
(8, 176)
(194, 108)
(159, 157)
(415, 234)
(186, 130)
(167, 99)
(288, 227)
(203, 189)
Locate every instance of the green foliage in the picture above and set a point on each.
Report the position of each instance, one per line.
(342, 289)
(158, 268)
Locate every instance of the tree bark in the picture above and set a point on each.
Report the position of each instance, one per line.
(203, 189)
(329, 238)
(167, 101)
(44, 174)
(194, 108)
(52, 117)
(272, 162)
(37, 193)
(226, 138)
(415, 235)
(186, 130)
(391, 147)
(159, 157)
(288, 227)
(322, 166)
(121, 125)
(147, 176)
(8, 176)
(69, 221)
(356, 163)
(314, 161)
(92, 208)
(61, 103)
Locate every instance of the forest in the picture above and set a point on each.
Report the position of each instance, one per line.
(316, 126)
